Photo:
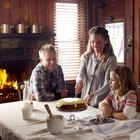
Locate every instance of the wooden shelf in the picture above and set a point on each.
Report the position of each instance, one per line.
(40, 36)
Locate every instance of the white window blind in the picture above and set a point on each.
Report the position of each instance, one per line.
(70, 36)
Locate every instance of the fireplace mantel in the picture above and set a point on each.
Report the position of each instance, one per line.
(40, 36)
(22, 46)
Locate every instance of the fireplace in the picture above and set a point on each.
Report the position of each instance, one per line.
(18, 56)
(19, 60)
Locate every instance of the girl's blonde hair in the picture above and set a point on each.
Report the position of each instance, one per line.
(127, 81)
(108, 50)
(126, 78)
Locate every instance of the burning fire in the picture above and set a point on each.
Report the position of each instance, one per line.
(5, 82)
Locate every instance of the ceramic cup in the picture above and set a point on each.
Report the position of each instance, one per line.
(56, 124)
(26, 113)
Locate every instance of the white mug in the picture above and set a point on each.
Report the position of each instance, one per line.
(56, 124)
(26, 113)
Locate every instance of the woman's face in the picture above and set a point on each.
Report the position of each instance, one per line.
(114, 81)
(49, 61)
(97, 43)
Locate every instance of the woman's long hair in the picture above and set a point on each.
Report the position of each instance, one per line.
(108, 50)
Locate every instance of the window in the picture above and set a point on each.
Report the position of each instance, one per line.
(70, 35)
(116, 33)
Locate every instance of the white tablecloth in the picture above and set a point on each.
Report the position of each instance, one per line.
(13, 127)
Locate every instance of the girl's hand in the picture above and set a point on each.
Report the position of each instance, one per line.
(107, 112)
(78, 87)
(89, 98)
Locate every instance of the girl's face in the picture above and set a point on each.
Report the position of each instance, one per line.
(114, 81)
(97, 43)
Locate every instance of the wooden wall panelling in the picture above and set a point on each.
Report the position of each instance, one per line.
(42, 12)
(137, 41)
(24, 12)
(0, 11)
(50, 15)
(129, 33)
(98, 14)
(89, 13)
(6, 11)
(116, 9)
(28, 12)
(94, 13)
(33, 11)
(15, 13)
(111, 8)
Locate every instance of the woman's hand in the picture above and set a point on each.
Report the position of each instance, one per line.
(89, 98)
(33, 98)
(78, 87)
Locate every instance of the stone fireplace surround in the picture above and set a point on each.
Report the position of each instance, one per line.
(19, 53)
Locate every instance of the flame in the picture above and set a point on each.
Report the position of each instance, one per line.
(4, 80)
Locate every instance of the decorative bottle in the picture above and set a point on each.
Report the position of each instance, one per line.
(27, 99)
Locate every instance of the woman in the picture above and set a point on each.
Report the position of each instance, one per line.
(93, 77)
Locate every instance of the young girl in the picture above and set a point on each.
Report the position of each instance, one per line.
(122, 101)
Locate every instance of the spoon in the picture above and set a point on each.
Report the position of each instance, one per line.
(49, 111)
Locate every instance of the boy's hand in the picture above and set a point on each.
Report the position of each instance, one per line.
(64, 93)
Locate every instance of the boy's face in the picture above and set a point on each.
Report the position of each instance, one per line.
(114, 81)
(49, 61)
